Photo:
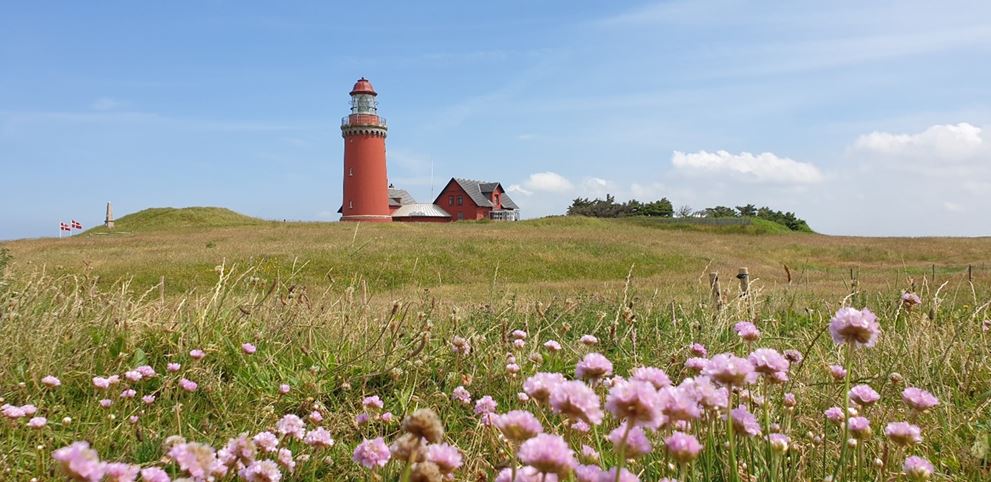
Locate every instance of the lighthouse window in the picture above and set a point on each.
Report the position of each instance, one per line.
(350, 206)
(350, 172)
(461, 200)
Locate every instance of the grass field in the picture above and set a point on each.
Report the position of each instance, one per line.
(340, 312)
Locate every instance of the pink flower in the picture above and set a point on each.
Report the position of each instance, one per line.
(373, 403)
(197, 354)
(903, 433)
(37, 422)
(910, 299)
(588, 453)
(285, 460)
(918, 399)
(146, 371)
(512, 368)
(101, 382)
(837, 371)
(29, 409)
(485, 405)
(460, 346)
(248, 348)
(267, 441)
(284, 388)
(770, 363)
(173, 367)
(446, 457)
(682, 447)
(519, 334)
(154, 474)
(588, 340)
(50, 381)
(318, 437)
(133, 375)
(593, 367)
(698, 349)
(549, 454)
(462, 395)
(636, 443)
(198, 460)
(552, 346)
(577, 401)
(261, 471)
(779, 442)
(106, 402)
(834, 414)
(387, 417)
(518, 425)
(794, 356)
(540, 385)
(148, 399)
(730, 370)
(120, 472)
(789, 400)
(857, 327)
(316, 417)
(291, 425)
(519, 343)
(188, 385)
(133, 419)
(918, 468)
(744, 422)
(129, 393)
(864, 395)
(624, 476)
(679, 403)
(636, 402)
(705, 392)
(860, 427)
(654, 376)
(12, 412)
(372, 453)
(696, 364)
(747, 331)
(362, 418)
(79, 462)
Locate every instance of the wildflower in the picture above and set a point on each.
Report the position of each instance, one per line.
(129, 393)
(519, 334)
(50, 381)
(519, 343)
(373, 403)
(918, 399)
(588, 453)
(857, 327)
(319, 437)
(146, 371)
(316, 417)
(705, 392)
(682, 447)
(549, 454)
(696, 364)
(198, 460)
(188, 385)
(834, 414)
(284, 457)
(133, 375)
(362, 418)
(903, 433)
(588, 340)
(654, 376)
(698, 349)
(460, 346)
(461, 394)
(197, 354)
(238, 450)
(744, 422)
(372, 453)
(291, 425)
(747, 331)
(679, 403)
(779, 442)
(120, 472)
(540, 385)
(860, 427)
(106, 402)
(284, 388)
(770, 363)
(447, 457)
(154, 474)
(535, 358)
(267, 441)
(789, 400)
(918, 468)
(864, 395)
(624, 476)
(518, 425)
(637, 402)
(523, 397)
(577, 401)
(636, 443)
(386, 417)
(588, 473)
(552, 346)
(148, 399)
(580, 426)
(261, 471)
(101, 382)
(986, 325)
(593, 367)
(37, 422)
(12, 412)
(512, 368)
(837, 371)
(424, 423)
(173, 367)
(79, 462)
(730, 370)
(909, 300)
(794, 356)
(485, 405)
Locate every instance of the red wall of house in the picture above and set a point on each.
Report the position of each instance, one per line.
(467, 206)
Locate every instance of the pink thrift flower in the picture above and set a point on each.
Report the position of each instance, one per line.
(917, 468)
(316, 417)
(654, 376)
(285, 459)
(860, 427)
(518, 425)
(462, 395)
(12, 412)
(593, 367)
(198, 460)
(910, 299)
(79, 462)
(267, 441)
(636, 443)
(106, 402)
(779, 442)
(837, 371)
(50, 381)
(679, 403)
(291, 425)
(540, 385)
(133, 375)
(577, 401)
(173, 367)
(446, 457)
(698, 349)
(129, 393)
(903, 433)
(387, 417)
(696, 364)
(29, 409)
(706, 393)
(460, 346)
(864, 395)
(373, 403)
(794, 356)
(624, 476)
(747, 331)
(512, 368)
(834, 414)
(485, 405)
(146, 371)
(148, 399)
(519, 343)
(918, 399)
(284, 388)
(188, 385)
(248, 348)
(361, 419)
(744, 422)
(133, 419)
(101, 382)
(37, 422)
(319, 437)
(730, 370)
(549, 454)
(768, 362)
(519, 334)
(261, 471)
(120, 472)
(552, 346)
(682, 447)
(637, 403)
(372, 453)
(154, 474)
(523, 397)
(197, 354)
(789, 400)
(857, 327)
(588, 340)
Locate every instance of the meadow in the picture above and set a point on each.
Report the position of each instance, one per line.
(552, 349)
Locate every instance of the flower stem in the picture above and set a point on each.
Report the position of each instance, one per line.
(622, 451)
(846, 411)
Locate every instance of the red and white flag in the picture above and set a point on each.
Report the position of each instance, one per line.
(76, 224)
(64, 227)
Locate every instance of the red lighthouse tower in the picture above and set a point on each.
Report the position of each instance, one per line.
(366, 185)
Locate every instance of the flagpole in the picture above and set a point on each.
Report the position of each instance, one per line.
(60, 230)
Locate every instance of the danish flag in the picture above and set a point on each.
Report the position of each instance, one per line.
(64, 227)
(76, 224)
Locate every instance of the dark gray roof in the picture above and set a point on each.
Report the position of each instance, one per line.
(400, 197)
(479, 192)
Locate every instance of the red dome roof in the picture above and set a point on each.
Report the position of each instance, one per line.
(363, 86)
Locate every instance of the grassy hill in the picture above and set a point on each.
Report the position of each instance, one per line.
(157, 219)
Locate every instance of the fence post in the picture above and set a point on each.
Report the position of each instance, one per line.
(717, 300)
(970, 273)
(744, 277)
(161, 289)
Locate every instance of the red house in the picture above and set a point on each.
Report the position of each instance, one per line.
(475, 200)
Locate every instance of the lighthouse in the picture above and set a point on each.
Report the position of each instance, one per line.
(366, 184)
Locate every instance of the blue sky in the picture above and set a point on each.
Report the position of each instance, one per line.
(868, 118)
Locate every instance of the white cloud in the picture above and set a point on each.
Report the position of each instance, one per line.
(548, 182)
(952, 207)
(938, 142)
(519, 189)
(765, 167)
(105, 103)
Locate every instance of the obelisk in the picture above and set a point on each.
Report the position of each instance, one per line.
(109, 222)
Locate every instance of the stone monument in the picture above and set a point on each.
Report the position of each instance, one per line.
(109, 222)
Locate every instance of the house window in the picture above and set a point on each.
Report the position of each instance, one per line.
(450, 200)
(461, 216)
(461, 200)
